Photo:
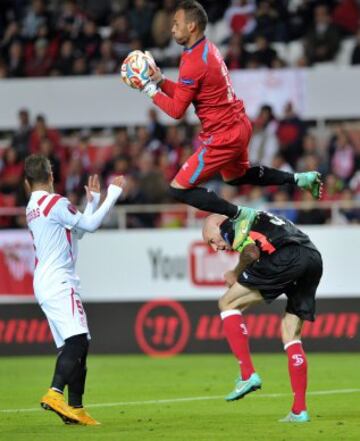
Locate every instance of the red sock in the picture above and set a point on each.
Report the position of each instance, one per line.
(237, 336)
(298, 374)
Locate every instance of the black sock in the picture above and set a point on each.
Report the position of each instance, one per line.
(68, 362)
(204, 199)
(76, 386)
(263, 176)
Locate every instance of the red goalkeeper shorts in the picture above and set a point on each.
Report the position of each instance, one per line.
(225, 153)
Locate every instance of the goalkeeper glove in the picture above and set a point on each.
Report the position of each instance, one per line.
(157, 75)
(150, 89)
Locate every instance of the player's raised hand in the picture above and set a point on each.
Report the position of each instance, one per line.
(119, 181)
(93, 186)
(156, 75)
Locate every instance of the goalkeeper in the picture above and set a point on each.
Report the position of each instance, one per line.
(226, 129)
(275, 258)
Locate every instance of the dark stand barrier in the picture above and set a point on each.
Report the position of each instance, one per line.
(165, 327)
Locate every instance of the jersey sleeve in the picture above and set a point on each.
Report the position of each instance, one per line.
(189, 82)
(168, 87)
(65, 214)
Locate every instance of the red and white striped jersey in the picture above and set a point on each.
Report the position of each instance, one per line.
(51, 219)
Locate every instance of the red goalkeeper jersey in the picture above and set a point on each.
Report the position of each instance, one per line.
(204, 81)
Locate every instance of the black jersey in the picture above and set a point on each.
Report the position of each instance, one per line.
(269, 232)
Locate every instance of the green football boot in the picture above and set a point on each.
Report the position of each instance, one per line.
(302, 417)
(242, 226)
(310, 181)
(244, 387)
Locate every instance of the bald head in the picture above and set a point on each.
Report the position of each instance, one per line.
(211, 232)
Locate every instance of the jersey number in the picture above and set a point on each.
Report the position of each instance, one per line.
(275, 220)
(230, 89)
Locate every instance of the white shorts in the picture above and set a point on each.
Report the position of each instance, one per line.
(66, 316)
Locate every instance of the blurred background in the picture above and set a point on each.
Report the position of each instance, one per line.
(296, 65)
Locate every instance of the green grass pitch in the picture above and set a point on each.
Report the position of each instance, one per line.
(116, 382)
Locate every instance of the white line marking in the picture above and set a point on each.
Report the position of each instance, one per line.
(188, 399)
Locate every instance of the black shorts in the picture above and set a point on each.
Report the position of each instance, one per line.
(293, 270)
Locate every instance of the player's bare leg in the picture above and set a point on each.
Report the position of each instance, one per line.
(291, 326)
(231, 305)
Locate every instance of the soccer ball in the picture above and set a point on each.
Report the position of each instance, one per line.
(136, 69)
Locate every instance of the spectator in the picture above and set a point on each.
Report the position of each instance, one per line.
(39, 65)
(12, 34)
(15, 62)
(80, 66)
(333, 187)
(152, 182)
(89, 40)
(256, 198)
(140, 18)
(342, 155)
(76, 177)
(70, 21)
(312, 154)
(133, 195)
(280, 199)
(47, 149)
(347, 212)
(346, 16)
(355, 56)
(264, 54)
(290, 133)
(99, 11)
(107, 62)
(65, 60)
(11, 172)
(322, 41)
(155, 128)
(240, 17)
(236, 56)
(3, 69)
(36, 16)
(121, 35)
(311, 214)
(264, 144)
(40, 132)
(21, 138)
(268, 23)
(161, 25)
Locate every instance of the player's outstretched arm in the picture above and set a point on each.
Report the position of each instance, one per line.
(91, 222)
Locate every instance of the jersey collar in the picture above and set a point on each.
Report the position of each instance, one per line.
(189, 49)
(38, 193)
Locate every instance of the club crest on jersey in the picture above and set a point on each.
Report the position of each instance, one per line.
(186, 81)
(72, 209)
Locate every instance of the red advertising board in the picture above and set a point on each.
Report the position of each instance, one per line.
(16, 263)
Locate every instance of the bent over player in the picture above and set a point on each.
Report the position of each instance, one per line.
(204, 81)
(55, 225)
(275, 258)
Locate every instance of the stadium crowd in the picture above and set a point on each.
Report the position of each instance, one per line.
(150, 155)
(80, 37)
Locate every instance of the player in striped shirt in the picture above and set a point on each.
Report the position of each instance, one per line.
(56, 225)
